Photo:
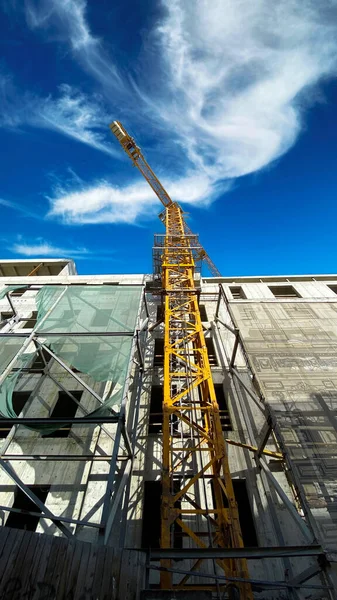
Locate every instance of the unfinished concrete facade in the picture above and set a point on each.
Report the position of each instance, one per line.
(272, 345)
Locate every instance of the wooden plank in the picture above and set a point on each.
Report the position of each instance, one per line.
(108, 589)
(4, 533)
(47, 586)
(61, 593)
(97, 583)
(115, 567)
(84, 565)
(69, 578)
(14, 573)
(132, 574)
(39, 552)
(125, 575)
(38, 580)
(10, 554)
(89, 578)
(61, 564)
(28, 564)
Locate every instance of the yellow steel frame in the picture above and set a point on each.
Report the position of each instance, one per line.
(205, 514)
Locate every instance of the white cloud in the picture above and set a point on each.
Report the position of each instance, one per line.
(43, 248)
(103, 203)
(234, 74)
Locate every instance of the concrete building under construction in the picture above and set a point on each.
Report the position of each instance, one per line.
(81, 404)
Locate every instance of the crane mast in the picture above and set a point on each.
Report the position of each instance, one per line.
(198, 502)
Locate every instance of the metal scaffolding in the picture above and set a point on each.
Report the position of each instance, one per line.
(121, 458)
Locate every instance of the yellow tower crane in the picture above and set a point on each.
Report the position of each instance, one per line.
(198, 502)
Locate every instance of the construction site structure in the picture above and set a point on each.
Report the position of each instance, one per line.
(82, 384)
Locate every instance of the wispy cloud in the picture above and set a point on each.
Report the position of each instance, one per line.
(76, 115)
(44, 249)
(21, 209)
(69, 112)
(67, 19)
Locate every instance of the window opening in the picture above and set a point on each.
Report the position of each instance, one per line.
(22, 502)
(31, 321)
(18, 292)
(245, 513)
(6, 315)
(69, 316)
(158, 352)
(223, 407)
(160, 312)
(64, 407)
(246, 518)
(237, 292)
(284, 291)
(151, 514)
(213, 361)
(333, 288)
(156, 409)
(38, 363)
(19, 400)
(101, 317)
(203, 313)
(177, 529)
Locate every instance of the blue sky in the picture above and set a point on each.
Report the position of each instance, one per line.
(232, 102)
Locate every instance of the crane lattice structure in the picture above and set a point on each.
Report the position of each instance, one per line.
(198, 499)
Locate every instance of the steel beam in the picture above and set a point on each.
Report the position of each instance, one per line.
(264, 436)
(235, 349)
(74, 375)
(46, 512)
(258, 583)
(59, 420)
(250, 393)
(287, 502)
(246, 552)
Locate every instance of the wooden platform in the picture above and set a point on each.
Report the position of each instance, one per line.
(42, 567)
